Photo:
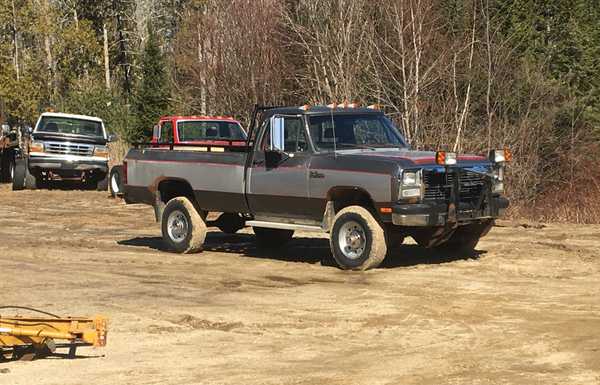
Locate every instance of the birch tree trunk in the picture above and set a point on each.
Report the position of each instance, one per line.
(16, 41)
(106, 57)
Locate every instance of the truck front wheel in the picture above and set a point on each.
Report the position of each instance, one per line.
(272, 238)
(357, 240)
(183, 229)
(22, 178)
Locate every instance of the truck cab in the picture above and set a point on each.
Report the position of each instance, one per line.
(64, 147)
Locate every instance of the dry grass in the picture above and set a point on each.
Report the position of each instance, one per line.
(117, 151)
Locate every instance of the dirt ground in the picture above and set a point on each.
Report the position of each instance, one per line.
(524, 310)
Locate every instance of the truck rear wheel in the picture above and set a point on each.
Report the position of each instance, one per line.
(115, 184)
(465, 238)
(272, 238)
(102, 184)
(183, 229)
(18, 182)
(357, 240)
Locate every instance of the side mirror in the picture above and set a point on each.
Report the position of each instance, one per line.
(5, 129)
(277, 134)
(156, 132)
(113, 137)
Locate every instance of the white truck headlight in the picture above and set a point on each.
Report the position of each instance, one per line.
(411, 185)
(36, 147)
(101, 151)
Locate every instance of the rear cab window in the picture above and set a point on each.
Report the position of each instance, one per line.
(195, 130)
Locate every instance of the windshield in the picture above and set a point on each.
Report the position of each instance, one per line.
(353, 131)
(62, 125)
(209, 130)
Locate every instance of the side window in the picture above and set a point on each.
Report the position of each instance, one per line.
(166, 132)
(295, 136)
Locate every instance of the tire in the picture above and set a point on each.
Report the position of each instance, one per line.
(183, 229)
(31, 182)
(11, 169)
(115, 179)
(272, 238)
(102, 184)
(230, 223)
(357, 240)
(18, 182)
(465, 238)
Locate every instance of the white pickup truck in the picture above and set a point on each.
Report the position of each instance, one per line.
(64, 147)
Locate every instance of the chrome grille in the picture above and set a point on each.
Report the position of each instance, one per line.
(65, 148)
(437, 188)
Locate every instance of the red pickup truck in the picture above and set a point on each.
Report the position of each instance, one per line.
(191, 133)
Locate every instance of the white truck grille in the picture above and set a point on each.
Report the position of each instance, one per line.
(66, 148)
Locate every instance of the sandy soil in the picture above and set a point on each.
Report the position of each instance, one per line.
(524, 310)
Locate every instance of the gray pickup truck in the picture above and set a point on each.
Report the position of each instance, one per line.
(339, 170)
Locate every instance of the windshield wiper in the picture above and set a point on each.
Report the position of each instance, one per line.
(354, 145)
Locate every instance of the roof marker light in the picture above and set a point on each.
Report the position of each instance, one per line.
(374, 107)
(500, 156)
(305, 107)
(444, 158)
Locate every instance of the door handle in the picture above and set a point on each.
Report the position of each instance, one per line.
(316, 175)
(258, 162)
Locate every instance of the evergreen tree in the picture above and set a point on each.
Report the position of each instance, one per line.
(152, 96)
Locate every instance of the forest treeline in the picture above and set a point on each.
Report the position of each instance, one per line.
(464, 75)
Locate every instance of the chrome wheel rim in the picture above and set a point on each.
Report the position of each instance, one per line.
(352, 240)
(177, 226)
(114, 183)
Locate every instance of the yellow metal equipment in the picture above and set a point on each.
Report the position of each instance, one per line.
(27, 337)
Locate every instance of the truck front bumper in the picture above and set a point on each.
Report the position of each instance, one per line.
(436, 213)
(66, 163)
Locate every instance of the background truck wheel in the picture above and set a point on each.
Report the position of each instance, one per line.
(30, 180)
(183, 229)
(357, 240)
(115, 184)
(272, 238)
(102, 184)
(230, 223)
(18, 182)
(465, 238)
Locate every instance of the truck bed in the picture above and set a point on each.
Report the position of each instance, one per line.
(216, 178)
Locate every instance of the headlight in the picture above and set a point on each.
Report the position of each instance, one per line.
(101, 151)
(411, 178)
(36, 147)
(411, 185)
(498, 187)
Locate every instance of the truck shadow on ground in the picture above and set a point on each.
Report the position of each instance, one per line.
(307, 250)
(66, 186)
